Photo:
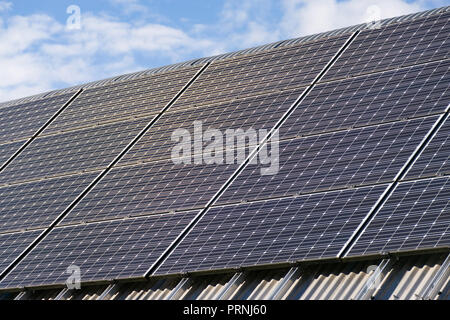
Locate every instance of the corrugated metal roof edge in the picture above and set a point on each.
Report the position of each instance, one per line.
(201, 61)
(413, 277)
(269, 266)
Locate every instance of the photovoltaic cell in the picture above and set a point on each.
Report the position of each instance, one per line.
(435, 158)
(71, 152)
(103, 251)
(37, 204)
(21, 121)
(261, 112)
(329, 161)
(370, 99)
(150, 188)
(282, 68)
(133, 98)
(272, 231)
(416, 216)
(12, 245)
(395, 46)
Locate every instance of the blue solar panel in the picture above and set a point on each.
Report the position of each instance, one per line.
(272, 231)
(72, 152)
(37, 204)
(416, 216)
(371, 99)
(344, 159)
(103, 251)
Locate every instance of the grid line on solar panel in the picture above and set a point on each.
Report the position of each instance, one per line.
(72, 152)
(396, 45)
(104, 251)
(370, 99)
(12, 245)
(255, 113)
(150, 188)
(122, 100)
(272, 231)
(281, 68)
(363, 156)
(21, 121)
(435, 158)
(415, 216)
(37, 204)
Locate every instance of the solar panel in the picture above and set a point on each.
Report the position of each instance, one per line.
(71, 152)
(12, 245)
(272, 231)
(260, 112)
(370, 99)
(416, 216)
(344, 159)
(37, 204)
(253, 74)
(154, 187)
(397, 45)
(117, 101)
(103, 251)
(21, 121)
(435, 159)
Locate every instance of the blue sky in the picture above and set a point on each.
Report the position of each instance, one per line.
(38, 52)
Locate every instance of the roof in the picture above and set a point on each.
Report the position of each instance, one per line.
(353, 206)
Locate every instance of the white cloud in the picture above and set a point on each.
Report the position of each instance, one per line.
(304, 17)
(37, 53)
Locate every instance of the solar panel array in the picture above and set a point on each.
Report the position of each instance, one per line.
(362, 139)
(157, 184)
(350, 131)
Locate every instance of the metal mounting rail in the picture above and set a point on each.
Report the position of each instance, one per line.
(432, 289)
(372, 284)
